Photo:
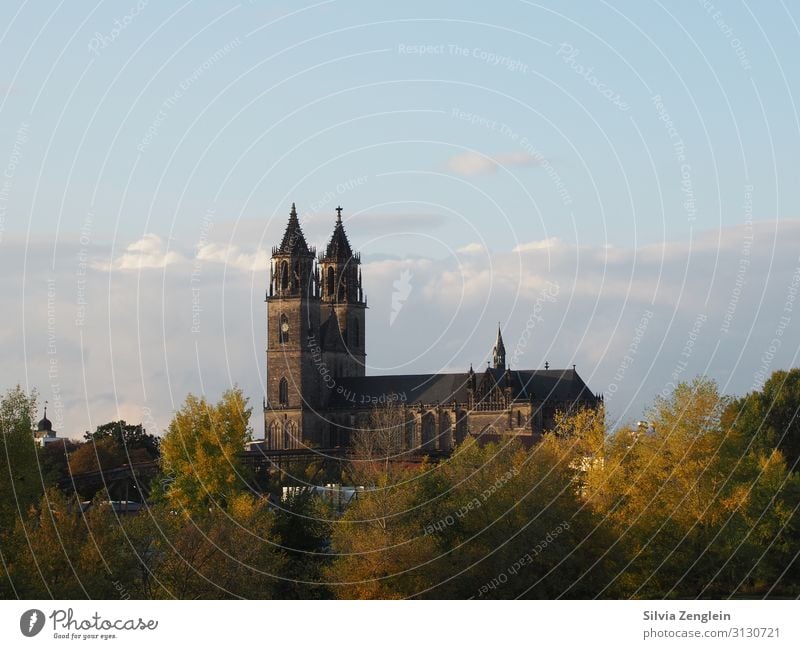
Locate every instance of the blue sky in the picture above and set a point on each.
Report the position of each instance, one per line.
(618, 149)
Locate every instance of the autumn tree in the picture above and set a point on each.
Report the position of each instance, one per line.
(61, 551)
(511, 521)
(200, 452)
(222, 554)
(381, 551)
(691, 502)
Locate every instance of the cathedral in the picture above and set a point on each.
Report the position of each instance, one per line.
(318, 392)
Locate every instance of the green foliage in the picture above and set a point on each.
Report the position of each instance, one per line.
(303, 527)
(128, 438)
(200, 452)
(21, 482)
(701, 503)
(58, 551)
(770, 418)
(691, 503)
(220, 554)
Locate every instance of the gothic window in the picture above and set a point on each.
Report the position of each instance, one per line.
(445, 437)
(283, 329)
(519, 419)
(290, 437)
(275, 435)
(283, 392)
(356, 333)
(284, 275)
(331, 281)
(411, 434)
(428, 432)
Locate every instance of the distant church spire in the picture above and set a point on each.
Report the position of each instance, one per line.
(499, 351)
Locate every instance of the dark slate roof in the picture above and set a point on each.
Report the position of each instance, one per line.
(559, 385)
(339, 246)
(294, 242)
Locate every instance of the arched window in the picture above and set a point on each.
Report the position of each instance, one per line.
(428, 432)
(283, 392)
(283, 329)
(290, 436)
(274, 441)
(331, 281)
(356, 333)
(519, 419)
(284, 275)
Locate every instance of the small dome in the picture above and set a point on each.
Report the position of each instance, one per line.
(45, 425)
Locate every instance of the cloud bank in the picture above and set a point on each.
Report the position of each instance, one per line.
(128, 335)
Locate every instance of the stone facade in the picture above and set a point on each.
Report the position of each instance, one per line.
(317, 388)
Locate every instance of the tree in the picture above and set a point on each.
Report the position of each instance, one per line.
(694, 506)
(513, 521)
(378, 443)
(102, 454)
(381, 550)
(770, 417)
(21, 482)
(54, 460)
(128, 437)
(220, 554)
(58, 551)
(200, 452)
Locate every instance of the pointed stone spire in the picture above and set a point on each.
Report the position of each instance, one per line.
(294, 242)
(499, 351)
(338, 247)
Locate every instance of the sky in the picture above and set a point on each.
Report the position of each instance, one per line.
(613, 182)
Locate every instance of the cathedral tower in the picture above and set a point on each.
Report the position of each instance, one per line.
(343, 305)
(293, 309)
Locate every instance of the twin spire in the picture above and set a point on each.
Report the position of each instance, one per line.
(337, 277)
(294, 242)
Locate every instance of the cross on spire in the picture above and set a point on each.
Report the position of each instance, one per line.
(339, 213)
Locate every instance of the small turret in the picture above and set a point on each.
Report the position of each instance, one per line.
(499, 351)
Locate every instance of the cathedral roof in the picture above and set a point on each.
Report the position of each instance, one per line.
(339, 246)
(558, 385)
(293, 242)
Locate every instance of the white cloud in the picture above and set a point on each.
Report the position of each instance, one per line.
(472, 163)
(146, 252)
(542, 244)
(232, 255)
